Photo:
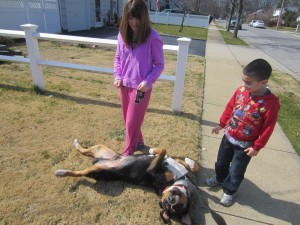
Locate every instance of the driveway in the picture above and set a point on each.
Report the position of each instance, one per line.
(197, 46)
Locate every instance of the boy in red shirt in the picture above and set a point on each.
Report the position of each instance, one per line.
(249, 120)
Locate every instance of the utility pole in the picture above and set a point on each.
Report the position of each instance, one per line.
(279, 17)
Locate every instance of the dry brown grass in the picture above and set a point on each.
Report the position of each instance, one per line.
(37, 133)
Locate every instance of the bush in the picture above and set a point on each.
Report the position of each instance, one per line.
(293, 24)
(272, 23)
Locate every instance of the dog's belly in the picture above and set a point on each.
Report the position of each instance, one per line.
(111, 163)
(132, 169)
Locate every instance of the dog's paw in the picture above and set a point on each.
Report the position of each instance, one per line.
(195, 167)
(151, 151)
(61, 173)
(76, 143)
(190, 162)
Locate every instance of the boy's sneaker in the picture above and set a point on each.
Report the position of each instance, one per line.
(226, 200)
(211, 182)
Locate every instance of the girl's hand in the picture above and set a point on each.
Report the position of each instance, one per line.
(117, 83)
(143, 87)
(216, 130)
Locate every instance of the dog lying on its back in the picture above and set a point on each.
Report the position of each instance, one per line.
(166, 175)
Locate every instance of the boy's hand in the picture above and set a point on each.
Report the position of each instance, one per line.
(216, 129)
(251, 152)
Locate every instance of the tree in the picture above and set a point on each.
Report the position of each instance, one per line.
(182, 6)
(232, 4)
(290, 18)
(237, 24)
(288, 3)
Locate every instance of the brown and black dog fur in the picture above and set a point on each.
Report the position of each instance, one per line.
(142, 169)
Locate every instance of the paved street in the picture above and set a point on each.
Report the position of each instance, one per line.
(283, 47)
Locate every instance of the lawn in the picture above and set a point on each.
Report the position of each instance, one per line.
(37, 131)
(191, 32)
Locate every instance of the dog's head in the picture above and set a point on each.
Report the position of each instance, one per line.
(175, 203)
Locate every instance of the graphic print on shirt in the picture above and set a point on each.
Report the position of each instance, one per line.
(246, 114)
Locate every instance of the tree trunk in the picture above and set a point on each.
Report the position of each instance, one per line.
(230, 16)
(182, 21)
(237, 24)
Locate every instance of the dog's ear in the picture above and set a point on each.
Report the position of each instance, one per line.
(186, 219)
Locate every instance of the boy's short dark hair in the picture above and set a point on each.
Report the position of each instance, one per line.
(260, 69)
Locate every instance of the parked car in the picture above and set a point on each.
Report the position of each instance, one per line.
(259, 24)
(233, 22)
(251, 23)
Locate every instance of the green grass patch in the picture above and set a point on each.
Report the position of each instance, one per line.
(287, 88)
(230, 40)
(191, 32)
(283, 28)
(289, 118)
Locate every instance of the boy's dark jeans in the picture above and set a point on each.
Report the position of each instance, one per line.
(231, 166)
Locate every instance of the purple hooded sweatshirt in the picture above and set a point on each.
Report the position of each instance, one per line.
(143, 63)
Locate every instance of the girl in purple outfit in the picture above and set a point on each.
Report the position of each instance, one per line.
(138, 63)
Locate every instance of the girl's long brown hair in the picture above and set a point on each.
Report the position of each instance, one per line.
(137, 9)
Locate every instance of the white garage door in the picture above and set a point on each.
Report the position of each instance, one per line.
(77, 14)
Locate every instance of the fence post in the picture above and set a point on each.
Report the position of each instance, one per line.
(34, 55)
(183, 44)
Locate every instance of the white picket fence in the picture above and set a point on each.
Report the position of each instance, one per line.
(36, 62)
(176, 19)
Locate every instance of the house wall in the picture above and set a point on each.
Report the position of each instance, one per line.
(106, 9)
(77, 15)
(63, 14)
(92, 7)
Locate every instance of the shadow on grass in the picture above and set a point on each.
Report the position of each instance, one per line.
(111, 188)
(86, 101)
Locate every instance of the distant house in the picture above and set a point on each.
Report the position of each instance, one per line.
(55, 16)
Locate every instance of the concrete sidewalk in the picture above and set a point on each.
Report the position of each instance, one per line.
(270, 192)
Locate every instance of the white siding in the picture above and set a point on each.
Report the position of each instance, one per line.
(44, 13)
(78, 15)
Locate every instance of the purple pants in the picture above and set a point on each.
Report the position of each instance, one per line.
(133, 115)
